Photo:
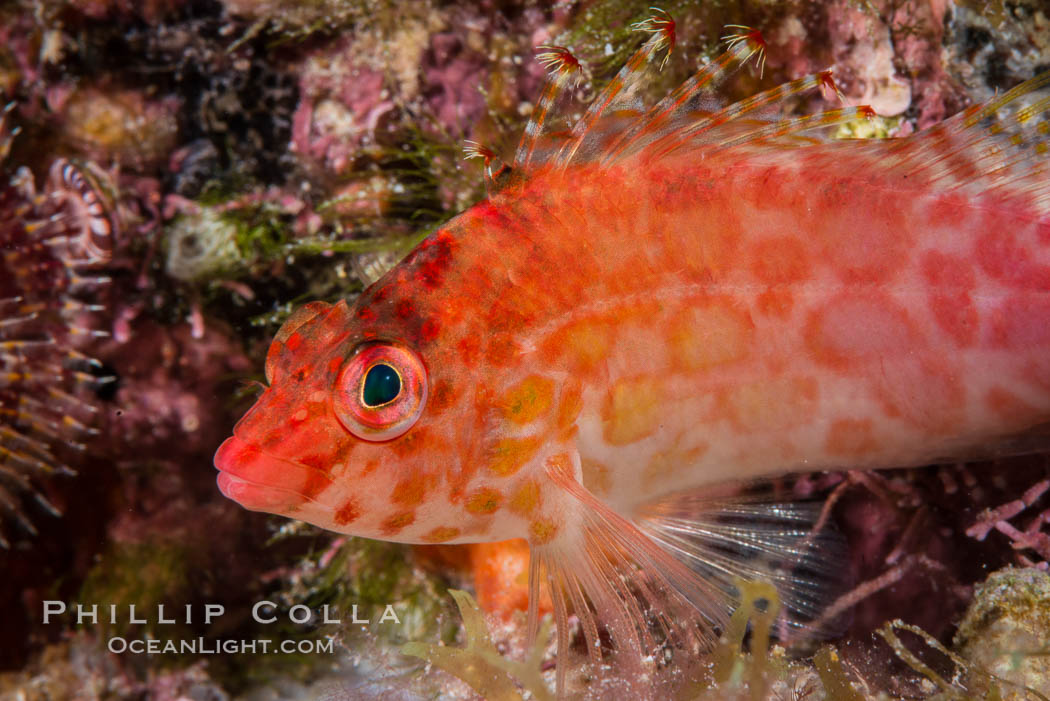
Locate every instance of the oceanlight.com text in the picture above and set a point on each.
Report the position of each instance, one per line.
(202, 646)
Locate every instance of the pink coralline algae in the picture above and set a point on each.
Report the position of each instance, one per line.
(341, 106)
(1032, 536)
(171, 385)
(883, 54)
(452, 73)
(54, 243)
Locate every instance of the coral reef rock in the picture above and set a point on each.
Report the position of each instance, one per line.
(1006, 631)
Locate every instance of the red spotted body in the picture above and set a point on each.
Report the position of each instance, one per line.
(699, 295)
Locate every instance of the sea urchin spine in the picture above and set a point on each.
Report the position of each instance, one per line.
(52, 244)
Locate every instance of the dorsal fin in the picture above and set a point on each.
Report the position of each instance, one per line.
(661, 30)
(793, 131)
(740, 48)
(615, 127)
(563, 68)
(1000, 148)
(706, 129)
(493, 165)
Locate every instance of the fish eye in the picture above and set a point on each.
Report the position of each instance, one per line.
(382, 385)
(380, 391)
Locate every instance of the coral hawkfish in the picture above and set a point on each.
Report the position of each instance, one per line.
(665, 298)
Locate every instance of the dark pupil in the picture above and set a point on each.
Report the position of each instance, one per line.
(382, 385)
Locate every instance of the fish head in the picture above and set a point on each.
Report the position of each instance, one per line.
(387, 419)
(319, 443)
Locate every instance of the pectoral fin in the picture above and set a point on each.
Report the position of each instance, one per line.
(618, 581)
(753, 537)
(658, 591)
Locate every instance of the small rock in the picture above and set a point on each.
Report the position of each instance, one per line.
(1006, 632)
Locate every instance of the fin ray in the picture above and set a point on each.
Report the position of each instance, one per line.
(725, 539)
(616, 579)
(661, 29)
(563, 68)
(665, 114)
(1001, 148)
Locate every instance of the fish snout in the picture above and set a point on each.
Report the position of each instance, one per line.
(263, 482)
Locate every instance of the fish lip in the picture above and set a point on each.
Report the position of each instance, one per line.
(225, 459)
(237, 460)
(255, 497)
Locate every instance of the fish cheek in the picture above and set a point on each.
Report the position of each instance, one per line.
(334, 461)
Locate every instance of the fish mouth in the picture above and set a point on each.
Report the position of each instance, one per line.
(251, 477)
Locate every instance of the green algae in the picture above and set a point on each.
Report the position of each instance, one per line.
(480, 664)
(837, 684)
(968, 682)
(1002, 647)
(144, 575)
(745, 665)
(371, 574)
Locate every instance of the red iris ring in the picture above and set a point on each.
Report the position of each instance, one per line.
(391, 419)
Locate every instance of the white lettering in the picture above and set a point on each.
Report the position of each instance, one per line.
(353, 613)
(304, 618)
(258, 608)
(326, 614)
(212, 611)
(117, 645)
(160, 615)
(131, 615)
(389, 615)
(53, 608)
(82, 614)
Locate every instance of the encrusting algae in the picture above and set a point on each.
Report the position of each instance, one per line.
(736, 296)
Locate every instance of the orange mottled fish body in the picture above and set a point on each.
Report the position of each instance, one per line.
(675, 324)
(677, 302)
